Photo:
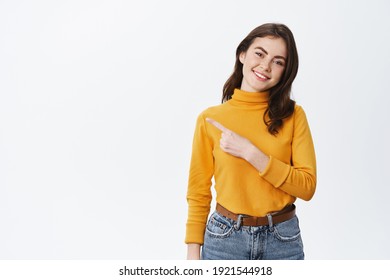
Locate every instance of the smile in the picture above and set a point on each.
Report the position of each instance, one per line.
(261, 76)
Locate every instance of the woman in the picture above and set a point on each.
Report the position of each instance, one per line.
(258, 147)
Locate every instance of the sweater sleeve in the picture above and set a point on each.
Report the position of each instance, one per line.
(199, 183)
(298, 178)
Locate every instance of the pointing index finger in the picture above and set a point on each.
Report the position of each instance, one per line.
(217, 125)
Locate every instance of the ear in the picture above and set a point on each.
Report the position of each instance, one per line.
(242, 57)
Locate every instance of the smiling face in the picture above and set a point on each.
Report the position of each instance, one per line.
(263, 64)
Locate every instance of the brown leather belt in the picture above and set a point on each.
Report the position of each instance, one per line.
(277, 217)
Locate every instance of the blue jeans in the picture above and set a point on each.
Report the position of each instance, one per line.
(226, 239)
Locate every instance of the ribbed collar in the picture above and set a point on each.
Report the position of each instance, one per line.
(249, 99)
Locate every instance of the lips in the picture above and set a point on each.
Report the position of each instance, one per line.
(261, 76)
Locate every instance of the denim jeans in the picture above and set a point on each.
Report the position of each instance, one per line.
(226, 239)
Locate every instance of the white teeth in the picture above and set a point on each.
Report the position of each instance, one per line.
(260, 76)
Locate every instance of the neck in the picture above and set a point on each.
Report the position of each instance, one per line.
(249, 100)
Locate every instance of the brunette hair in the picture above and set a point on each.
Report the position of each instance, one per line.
(280, 105)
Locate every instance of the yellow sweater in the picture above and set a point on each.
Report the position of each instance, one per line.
(290, 173)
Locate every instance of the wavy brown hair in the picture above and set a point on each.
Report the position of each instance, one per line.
(280, 105)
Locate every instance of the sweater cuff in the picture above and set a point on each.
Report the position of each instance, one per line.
(276, 172)
(195, 233)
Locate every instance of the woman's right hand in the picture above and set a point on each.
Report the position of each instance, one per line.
(193, 251)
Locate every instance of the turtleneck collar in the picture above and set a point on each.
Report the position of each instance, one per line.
(244, 98)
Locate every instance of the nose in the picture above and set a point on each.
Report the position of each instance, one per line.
(266, 65)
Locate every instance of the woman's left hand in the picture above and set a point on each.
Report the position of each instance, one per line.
(238, 146)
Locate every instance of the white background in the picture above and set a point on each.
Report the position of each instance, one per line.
(98, 102)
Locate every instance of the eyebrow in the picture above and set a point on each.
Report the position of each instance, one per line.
(276, 56)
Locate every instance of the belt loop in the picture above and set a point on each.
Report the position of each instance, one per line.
(270, 222)
(237, 226)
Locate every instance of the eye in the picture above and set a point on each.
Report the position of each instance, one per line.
(279, 62)
(259, 54)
